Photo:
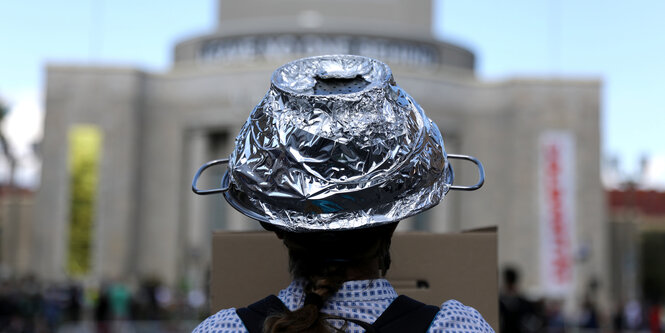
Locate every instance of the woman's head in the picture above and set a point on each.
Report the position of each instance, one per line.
(325, 260)
(362, 252)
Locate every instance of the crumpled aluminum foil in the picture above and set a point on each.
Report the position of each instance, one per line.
(335, 144)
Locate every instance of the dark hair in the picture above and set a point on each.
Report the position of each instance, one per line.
(325, 260)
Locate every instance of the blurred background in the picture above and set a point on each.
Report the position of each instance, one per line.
(107, 109)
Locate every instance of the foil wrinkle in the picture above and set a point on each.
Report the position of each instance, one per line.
(335, 144)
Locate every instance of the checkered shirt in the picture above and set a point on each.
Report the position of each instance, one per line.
(364, 300)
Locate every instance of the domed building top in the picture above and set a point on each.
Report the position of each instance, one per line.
(396, 31)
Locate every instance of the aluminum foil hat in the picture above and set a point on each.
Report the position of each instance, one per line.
(335, 144)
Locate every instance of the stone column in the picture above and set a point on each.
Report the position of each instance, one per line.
(196, 254)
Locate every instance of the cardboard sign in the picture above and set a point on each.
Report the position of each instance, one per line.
(432, 268)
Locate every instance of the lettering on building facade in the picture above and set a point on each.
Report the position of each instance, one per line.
(270, 47)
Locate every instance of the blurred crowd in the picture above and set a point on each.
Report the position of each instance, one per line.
(521, 314)
(30, 306)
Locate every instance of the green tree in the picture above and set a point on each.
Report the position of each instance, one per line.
(6, 151)
(11, 161)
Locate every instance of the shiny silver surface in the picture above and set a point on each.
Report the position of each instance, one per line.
(335, 144)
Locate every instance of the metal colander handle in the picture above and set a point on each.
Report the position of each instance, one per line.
(479, 184)
(200, 171)
(481, 173)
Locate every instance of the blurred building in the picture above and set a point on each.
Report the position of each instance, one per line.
(637, 230)
(16, 216)
(538, 139)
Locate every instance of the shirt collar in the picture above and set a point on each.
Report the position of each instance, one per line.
(350, 291)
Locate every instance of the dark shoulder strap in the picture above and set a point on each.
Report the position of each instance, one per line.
(403, 315)
(254, 315)
(406, 315)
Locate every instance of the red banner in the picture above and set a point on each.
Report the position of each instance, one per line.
(557, 211)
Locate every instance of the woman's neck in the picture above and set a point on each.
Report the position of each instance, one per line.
(368, 271)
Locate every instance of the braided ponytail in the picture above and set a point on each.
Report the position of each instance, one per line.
(325, 261)
(309, 317)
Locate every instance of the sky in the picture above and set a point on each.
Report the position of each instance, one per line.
(619, 42)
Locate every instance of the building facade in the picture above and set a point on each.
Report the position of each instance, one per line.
(156, 128)
(637, 229)
(16, 216)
